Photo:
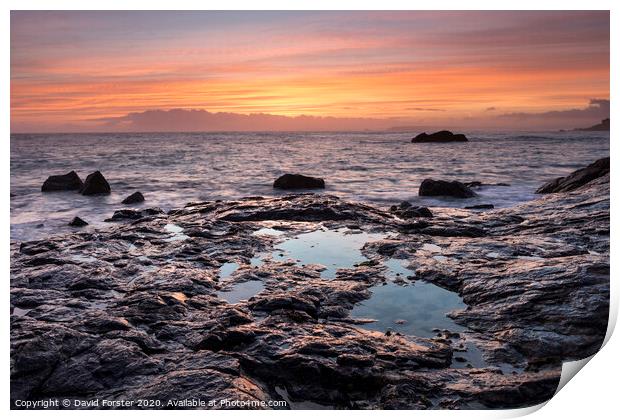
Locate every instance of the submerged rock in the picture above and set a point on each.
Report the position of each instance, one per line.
(478, 184)
(66, 182)
(296, 181)
(480, 207)
(443, 136)
(131, 214)
(95, 183)
(78, 222)
(577, 179)
(431, 187)
(134, 198)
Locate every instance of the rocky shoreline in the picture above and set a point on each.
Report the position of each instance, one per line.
(135, 311)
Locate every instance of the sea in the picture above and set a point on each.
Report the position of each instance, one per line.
(382, 169)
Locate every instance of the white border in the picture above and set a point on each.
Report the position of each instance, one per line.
(592, 395)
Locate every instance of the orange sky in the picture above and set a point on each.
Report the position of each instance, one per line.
(79, 71)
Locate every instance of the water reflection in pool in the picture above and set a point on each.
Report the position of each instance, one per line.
(334, 249)
(227, 269)
(412, 309)
(267, 232)
(241, 291)
(176, 232)
(238, 291)
(419, 309)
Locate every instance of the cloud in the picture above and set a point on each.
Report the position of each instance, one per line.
(70, 67)
(597, 110)
(187, 119)
(200, 120)
(426, 109)
(183, 119)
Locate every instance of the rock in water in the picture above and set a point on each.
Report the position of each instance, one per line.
(78, 222)
(577, 178)
(95, 184)
(296, 181)
(134, 198)
(131, 214)
(406, 210)
(480, 207)
(66, 182)
(431, 187)
(443, 136)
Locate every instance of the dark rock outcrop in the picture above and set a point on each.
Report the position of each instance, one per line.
(302, 207)
(78, 222)
(443, 136)
(66, 182)
(134, 198)
(577, 179)
(603, 126)
(296, 181)
(95, 183)
(431, 187)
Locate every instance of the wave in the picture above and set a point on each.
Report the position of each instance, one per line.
(531, 137)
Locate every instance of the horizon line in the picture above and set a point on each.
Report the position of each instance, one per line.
(490, 130)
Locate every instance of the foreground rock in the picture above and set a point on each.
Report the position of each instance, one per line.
(134, 198)
(66, 182)
(432, 187)
(577, 179)
(296, 181)
(95, 184)
(444, 136)
(133, 311)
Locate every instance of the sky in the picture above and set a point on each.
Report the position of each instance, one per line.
(208, 70)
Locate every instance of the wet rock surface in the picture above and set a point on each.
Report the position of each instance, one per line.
(132, 311)
(66, 182)
(443, 136)
(577, 179)
(432, 187)
(297, 182)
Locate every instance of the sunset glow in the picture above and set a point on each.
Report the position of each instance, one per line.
(78, 71)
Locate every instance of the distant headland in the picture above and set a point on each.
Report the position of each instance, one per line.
(603, 126)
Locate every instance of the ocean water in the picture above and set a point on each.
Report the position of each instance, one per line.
(171, 169)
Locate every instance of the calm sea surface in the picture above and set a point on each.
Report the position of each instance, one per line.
(172, 169)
